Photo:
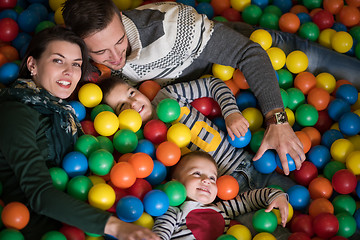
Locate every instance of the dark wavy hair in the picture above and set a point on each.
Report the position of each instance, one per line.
(40, 42)
(85, 17)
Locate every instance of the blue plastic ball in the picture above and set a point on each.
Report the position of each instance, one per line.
(145, 146)
(357, 218)
(357, 189)
(319, 155)
(267, 163)
(75, 164)
(284, 5)
(245, 100)
(28, 20)
(22, 39)
(156, 203)
(349, 124)
(187, 2)
(304, 17)
(337, 108)
(291, 162)
(330, 136)
(8, 73)
(205, 8)
(129, 208)
(348, 93)
(9, 13)
(299, 197)
(80, 110)
(242, 141)
(220, 123)
(337, 26)
(260, 3)
(40, 10)
(158, 174)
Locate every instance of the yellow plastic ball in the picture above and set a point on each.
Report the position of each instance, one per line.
(357, 112)
(179, 134)
(291, 116)
(355, 140)
(278, 216)
(342, 42)
(356, 105)
(325, 37)
(223, 72)
(239, 5)
(55, 4)
(277, 57)
(94, 238)
(135, 3)
(123, 4)
(146, 220)
(130, 119)
(340, 149)
(326, 81)
(335, 126)
(58, 17)
(264, 236)
(101, 196)
(254, 117)
(297, 62)
(262, 37)
(353, 162)
(90, 95)
(96, 179)
(239, 231)
(106, 123)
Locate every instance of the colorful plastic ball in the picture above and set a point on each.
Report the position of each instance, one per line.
(179, 134)
(88, 127)
(158, 175)
(331, 168)
(278, 215)
(79, 187)
(101, 196)
(252, 14)
(325, 225)
(226, 237)
(347, 225)
(205, 8)
(156, 203)
(129, 209)
(15, 215)
(101, 162)
(53, 235)
(86, 144)
(290, 162)
(264, 236)
(28, 20)
(168, 153)
(203, 105)
(296, 98)
(90, 95)
(333, 6)
(75, 163)
(105, 143)
(348, 93)
(340, 149)
(9, 29)
(59, 178)
(239, 231)
(344, 181)
(71, 232)
(299, 236)
(337, 108)
(139, 189)
(302, 223)
(12, 234)
(289, 22)
(264, 221)
(349, 124)
(176, 192)
(142, 164)
(255, 141)
(80, 110)
(269, 20)
(96, 179)
(320, 205)
(277, 57)
(254, 118)
(242, 141)
(305, 81)
(239, 5)
(55, 4)
(341, 42)
(223, 72)
(125, 141)
(145, 146)
(149, 88)
(228, 187)
(319, 98)
(245, 100)
(320, 187)
(325, 37)
(155, 131)
(130, 119)
(168, 110)
(8, 73)
(306, 115)
(304, 17)
(326, 81)
(330, 136)
(267, 163)
(353, 163)
(310, 31)
(58, 17)
(231, 14)
(344, 203)
(306, 173)
(319, 155)
(313, 134)
(262, 37)
(299, 197)
(323, 19)
(145, 220)
(349, 16)
(123, 175)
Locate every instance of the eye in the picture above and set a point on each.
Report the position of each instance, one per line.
(197, 173)
(99, 52)
(132, 93)
(213, 179)
(57, 60)
(76, 64)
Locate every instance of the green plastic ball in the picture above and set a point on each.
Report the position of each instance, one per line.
(264, 221)
(296, 98)
(357, 50)
(220, 19)
(43, 25)
(344, 203)
(226, 237)
(256, 139)
(125, 141)
(106, 143)
(79, 187)
(269, 20)
(1, 188)
(140, 134)
(12, 234)
(101, 162)
(98, 109)
(310, 31)
(331, 168)
(306, 115)
(251, 14)
(87, 144)
(168, 110)
(176, 192)
(285, 97)
(59, 178)
(53, 235)
(286, 78)
(347, 225)
(355, 33)
(276, 187)
(312, 4)
(273, 9)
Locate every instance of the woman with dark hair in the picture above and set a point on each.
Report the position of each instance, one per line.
(38, 128)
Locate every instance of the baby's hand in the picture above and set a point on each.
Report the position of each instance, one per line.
(236, 125)
(281, 203)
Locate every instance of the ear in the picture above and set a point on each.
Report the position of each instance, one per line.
(31, 65)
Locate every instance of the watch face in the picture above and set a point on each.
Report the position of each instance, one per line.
(281, 117)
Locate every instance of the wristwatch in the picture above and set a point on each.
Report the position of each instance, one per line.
(277, 118)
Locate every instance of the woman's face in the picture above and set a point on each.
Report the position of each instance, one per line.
(59, 68)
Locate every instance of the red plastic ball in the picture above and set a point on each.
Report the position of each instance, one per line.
(344, 181)
(15, 215)
(215, 111)
(228, 187)
(168, 153)
(9, 29)
(323, 19)
(88, 127)
(203, 105)
(325, 225)
(7, 4)
(299, 236)
(219, 6)
(72, 233)
(232, 15)
(155, 131)
(324, 122)
(139, 189)
(302, 223)
(306, 173)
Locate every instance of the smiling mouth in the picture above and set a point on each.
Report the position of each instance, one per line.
(203, 189)
(64, 83)
(142, 107)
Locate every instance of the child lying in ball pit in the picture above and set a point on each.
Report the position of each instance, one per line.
(199, 217)
(205, 135)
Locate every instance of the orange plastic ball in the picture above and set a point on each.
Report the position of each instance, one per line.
(125, 157)
(142, 163)
(149, 88)
(320, 187)
(349, 16)
(354, 3)
(320, 205)
(3, 59)
(220, 5)
(314, 135)
(228, 187)
(305, 81)
(319, 98)
(123, 175)
(10, 52)
(15, 215)
(168, 153)
(333, 6)
(239, 80)
(233, 87)
(304, 139)
(299, 9)
(289, 22)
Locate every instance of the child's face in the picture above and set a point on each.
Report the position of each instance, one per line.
(199, 177)
(123, 96)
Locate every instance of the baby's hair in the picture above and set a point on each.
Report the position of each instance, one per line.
(108, 84)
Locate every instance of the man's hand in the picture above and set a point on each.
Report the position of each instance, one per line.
(236, 125)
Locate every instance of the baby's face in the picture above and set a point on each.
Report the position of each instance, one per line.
(199, 177)
(123, 97)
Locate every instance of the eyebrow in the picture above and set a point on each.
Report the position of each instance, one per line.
(121, 39)
(121, 106)
(59, 54)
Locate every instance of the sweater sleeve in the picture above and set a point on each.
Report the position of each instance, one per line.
(164, 225)
(20, 129)
(249, 201)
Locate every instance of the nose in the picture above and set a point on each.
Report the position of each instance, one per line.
(68, 70)
(205, 180)
(116, 53)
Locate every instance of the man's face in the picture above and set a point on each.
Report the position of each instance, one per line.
(109, 46)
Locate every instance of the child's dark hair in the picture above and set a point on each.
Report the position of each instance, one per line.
(108, 84)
